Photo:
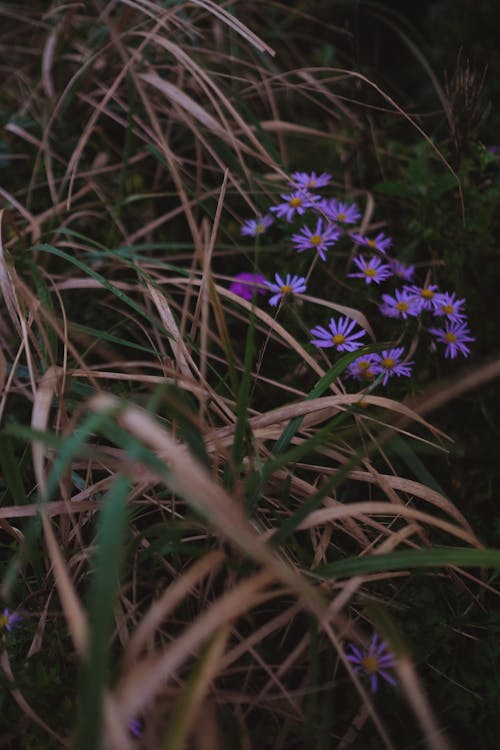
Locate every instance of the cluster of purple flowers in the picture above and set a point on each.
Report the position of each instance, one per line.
(332, 220)
(414, 300)
(388, 363)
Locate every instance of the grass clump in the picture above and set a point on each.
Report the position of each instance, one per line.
(219, 524)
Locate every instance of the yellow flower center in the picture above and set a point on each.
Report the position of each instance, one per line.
(447, 309)
(368, 376)
(311, 183)
(338, 339)
(4, 620)
(450, 338)
(364, 364)
(370, 664)
(402, 306)
(316, 239)
(341, 217)
(286, 289)
(259, 228)
(370, 272)
(427, 293)
(295, 202)
(371, 243)
(389, 363)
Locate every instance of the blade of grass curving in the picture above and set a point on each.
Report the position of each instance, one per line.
(257, 479)
(411, 459)
(290, 525)
(321, 386)
(188, 704)
(45, 298)
(425, 558)
(102, 595)
(68, 447)
(104, 282)
(105, 336)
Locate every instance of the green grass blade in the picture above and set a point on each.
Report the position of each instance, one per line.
(102, 595)
(425, 558)
(105, 283)
(321, 387)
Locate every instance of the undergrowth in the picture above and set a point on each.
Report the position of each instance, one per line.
(223, 520)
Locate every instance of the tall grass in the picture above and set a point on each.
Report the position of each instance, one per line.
(196, 516)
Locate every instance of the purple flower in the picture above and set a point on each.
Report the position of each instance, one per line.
(380, 243)
(254, 227)
(401, 305)
(291, 285)
(247, 284)
(455, 335)
(389, 363)
(424, 294)
(373, 662)
(373, 270)
(320, 239)
(295, 203)
(342, 213)
(309, 181)
(448, 305)
(401, 270)
(9, 619)
(135, 727)
(362, 368)
(340, 335)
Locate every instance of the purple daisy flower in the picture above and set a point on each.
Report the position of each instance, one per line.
(340, 335)
(389, 362)
(425, 295)
(455, 335)
(362, 368)
(401, 270)
(373, 662)
(320, 239)
(401, 305)
(342, 213)
(373, 270)
(380, 243)
(295, 203)
(254, 227)
(135, 727)
(247, 284)
(448, 305)
(309, 181)
(291, 285)
(9, 619)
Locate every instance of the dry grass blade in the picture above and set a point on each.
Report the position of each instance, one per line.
(191, 481)
(7, 284)
(137, 687)
(435, 737)
(188, 706)
(73, 609)
(22, 702)
(372, 508)
(173, 595)
(235, 24)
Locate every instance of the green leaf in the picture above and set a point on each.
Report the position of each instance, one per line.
(102, 596)
(425, 558)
